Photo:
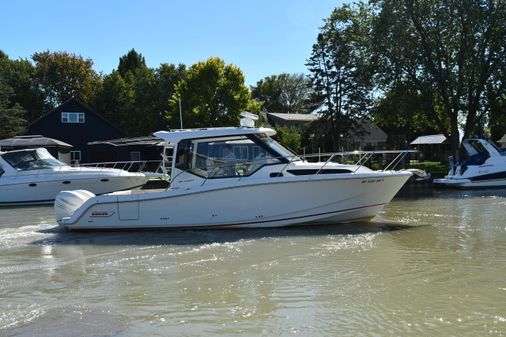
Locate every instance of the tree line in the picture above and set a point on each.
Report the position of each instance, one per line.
(412, 66)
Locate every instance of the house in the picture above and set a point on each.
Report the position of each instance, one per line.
(77, 124)
(432, 147)
(290, 120)
(371, 138)
(502, 142)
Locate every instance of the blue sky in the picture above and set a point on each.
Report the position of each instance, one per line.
(262, 37)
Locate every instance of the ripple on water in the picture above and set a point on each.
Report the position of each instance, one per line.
(66, 322)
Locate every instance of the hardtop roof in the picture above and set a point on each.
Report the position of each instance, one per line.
(173, 137)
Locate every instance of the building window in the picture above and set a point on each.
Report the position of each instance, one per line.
(135, 156)
(75, 157)
(72, 117)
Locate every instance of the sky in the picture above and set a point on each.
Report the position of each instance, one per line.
(262, 37)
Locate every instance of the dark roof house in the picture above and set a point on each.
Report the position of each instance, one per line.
(75, 123)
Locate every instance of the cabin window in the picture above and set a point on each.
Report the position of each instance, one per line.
(31, 160)
(75, 157)
(224, 156)
(72, 117)
(1, 171)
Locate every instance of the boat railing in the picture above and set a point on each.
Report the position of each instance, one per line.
(154, 167)
(139, 166)
(387, 160)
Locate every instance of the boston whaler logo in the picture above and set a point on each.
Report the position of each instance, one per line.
(99, 214)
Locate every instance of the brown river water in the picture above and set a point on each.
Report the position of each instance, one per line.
(433, 263)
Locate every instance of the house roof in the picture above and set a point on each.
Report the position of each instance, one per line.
(502, 140)
(19, 142)
(372, 132)
(429, 139)
(294, 117)
(84, 105)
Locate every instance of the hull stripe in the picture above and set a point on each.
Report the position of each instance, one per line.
(234, 224)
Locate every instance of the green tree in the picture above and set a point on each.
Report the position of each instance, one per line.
(167, 76)
(285, 93)
(18, 75)
(61, 75)
(12, 120)
(131, 62)
(457, 47)
(212, 94)
(136, 97)
(404, 111)
(289, 137)
(339, 74)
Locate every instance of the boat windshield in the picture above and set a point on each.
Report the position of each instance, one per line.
(222, 157)
(31, 160)
(278, 148)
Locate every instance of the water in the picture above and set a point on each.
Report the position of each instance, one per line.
(432, 264)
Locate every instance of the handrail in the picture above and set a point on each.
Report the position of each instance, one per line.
(125, 165)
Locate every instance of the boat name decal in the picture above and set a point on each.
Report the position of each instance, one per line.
(102, 213)
(369, 181)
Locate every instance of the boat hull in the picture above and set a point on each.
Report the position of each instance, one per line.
(468, 183)
(43, 190)
(283, 202)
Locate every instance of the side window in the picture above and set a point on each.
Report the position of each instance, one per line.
(1, 171)
(183, 155)
(223, 157)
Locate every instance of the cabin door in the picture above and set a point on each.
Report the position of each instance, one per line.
(128, 209)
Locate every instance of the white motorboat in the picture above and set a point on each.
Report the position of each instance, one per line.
(33, 176)
(485, 166)
(261, 185)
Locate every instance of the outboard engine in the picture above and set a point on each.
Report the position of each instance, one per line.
(67, 202)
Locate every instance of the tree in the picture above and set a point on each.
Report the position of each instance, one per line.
(137, 97)
(404, 111)
(289, 137)
(62, 75)
(212, 94)
(167, 76)
(341, 87)
(18, 75)
(12, 122)
(285, 93)
(131, 62)
(457, 47)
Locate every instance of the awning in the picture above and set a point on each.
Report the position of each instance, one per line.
(144, 141)
(429, 139)
(32, 141)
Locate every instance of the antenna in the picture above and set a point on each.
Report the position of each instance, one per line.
(248, 120)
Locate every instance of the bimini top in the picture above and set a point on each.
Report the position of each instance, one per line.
(173, 137)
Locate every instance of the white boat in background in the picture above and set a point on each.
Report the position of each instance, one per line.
(261, 185)
(33, 176)
(485, 166)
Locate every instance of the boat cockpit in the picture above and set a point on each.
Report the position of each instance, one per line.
(230, 156)
(32, 159)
